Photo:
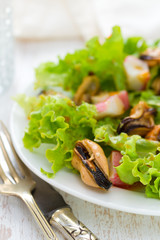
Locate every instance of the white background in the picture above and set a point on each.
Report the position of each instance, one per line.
(68, 19)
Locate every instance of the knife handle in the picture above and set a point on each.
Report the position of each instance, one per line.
(65, 220)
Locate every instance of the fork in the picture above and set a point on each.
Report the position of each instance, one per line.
(19, 183)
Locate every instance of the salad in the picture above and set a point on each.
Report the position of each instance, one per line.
(104, 122)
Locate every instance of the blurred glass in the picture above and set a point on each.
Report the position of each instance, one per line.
(6, 45)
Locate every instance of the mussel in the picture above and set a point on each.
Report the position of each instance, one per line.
(140, 121)
(154, 134)
(90, 160)
(88, 88)
(151, 56)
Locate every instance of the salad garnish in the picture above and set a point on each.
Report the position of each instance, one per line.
(105, 121)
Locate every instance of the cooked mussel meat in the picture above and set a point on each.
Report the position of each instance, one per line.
(140, 121)
(154, 134)
(151, 56)
(90, 160)
(88, 88)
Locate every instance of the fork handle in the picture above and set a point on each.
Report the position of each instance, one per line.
(36, 212)
(65, 220)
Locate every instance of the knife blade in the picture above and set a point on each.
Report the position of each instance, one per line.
(47, 198)
(58, 213)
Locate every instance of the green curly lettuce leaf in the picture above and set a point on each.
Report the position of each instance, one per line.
(145, 170)
(157, 43)
(134, 146)
(135, 45)
(105, 60)
(26, 102)
(153, 189)
(140, 161)
(60, 123)
(50, 74)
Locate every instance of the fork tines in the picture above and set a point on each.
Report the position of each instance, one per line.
(8, 156)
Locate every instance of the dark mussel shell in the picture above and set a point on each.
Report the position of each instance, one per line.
(98, 176)
(146, 57)
(133, 127)
(151, 56)
(91, 164)
(140, 125)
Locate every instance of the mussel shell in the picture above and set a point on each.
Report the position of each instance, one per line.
(138, 126)
(83, 152)
(123, 126)
(99, 177)
(134, 128)
(146, 57)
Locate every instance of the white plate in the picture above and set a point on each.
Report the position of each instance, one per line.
(115, 198)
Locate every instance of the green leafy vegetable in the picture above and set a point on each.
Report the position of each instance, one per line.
(58, 122)
(135, 45)
(157, 43)
(105, 60)
(134, 146)
(146, 170)
(50, 74)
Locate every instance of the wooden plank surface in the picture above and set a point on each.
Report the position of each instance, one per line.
(16, 222)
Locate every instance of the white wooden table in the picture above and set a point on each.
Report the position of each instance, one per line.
(16, 222)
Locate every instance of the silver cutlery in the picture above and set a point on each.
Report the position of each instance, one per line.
(19, 184)
(49, 209)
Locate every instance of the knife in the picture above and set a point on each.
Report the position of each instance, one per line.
(58, 213)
